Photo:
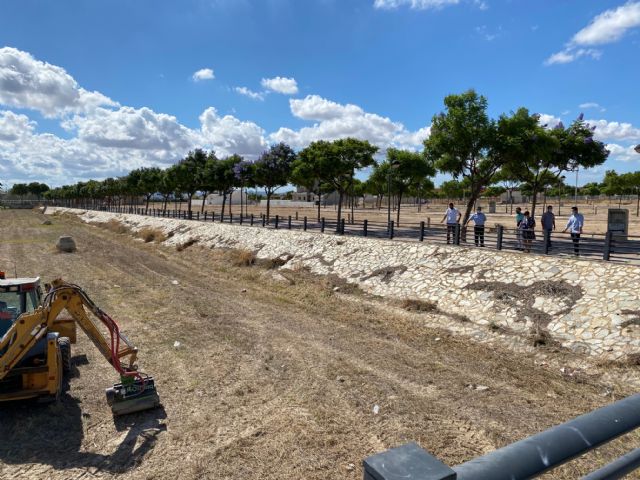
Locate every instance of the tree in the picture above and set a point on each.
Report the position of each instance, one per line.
(306, 171)
(148, 183)
(273, 169)
(613, 184)
(167, 185)
(37, 189)
(410, 170)
(244, 172)
(452, 189)
(461, 143)
(225, 178)
(591, 189)
(190, 174)
(19, 189)
(339, 160)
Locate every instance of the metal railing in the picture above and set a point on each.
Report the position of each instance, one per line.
(528, 458)
(591, 246)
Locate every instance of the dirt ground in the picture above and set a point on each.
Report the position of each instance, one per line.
(271, 379)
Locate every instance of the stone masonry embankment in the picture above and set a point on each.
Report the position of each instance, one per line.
(590, 307)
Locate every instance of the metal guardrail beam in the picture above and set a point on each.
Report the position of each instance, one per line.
(618, 468)
(530, 457)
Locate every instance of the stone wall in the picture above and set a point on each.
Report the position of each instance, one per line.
(591, 307)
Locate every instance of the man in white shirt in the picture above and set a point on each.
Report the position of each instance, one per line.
(574, 225)
(479, 220)
(452, 215)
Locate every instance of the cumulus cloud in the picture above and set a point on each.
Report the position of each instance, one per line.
(334, 120)
(203, 74)
(607, 27)
(249, 93)
(130, 128)
(622, 153)
(228, 135)
(14, 126)
(32, 84)
(547, 120)
(620, 131)
(287, 86)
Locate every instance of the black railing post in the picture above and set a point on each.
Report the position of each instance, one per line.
(304, 227)
(230, 217)
(251, 219)
(547, 240)
(276, 221)
(342, 226)
(198, 216)
(422, 231)
(241, 219)
(391, 229)
(365, 227)
(289, 222)
(205, 216)
(457, 234)
(500, 235)
(263, 219)
(607, 246)
(322, 222)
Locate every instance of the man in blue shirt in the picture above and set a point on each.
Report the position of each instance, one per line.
(452, 215)
(574, 225)
(479, 220)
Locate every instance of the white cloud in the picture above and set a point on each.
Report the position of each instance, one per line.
(622, 153)
(569, 55)
(228, 135)
(547, 120)
(130, 128)
(14, 126)
(32, 84)
(414, 4)
(614, 131)
(287, 86)
(608, 27)
(249, 93)
(203, 74)
(334, 120)
(594, 105)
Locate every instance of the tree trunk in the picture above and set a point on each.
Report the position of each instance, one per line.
(204, 199)
(230, 202)
(224, 202)
(268, 205)
(319, 200)
(474, 194)
(164, 205)
(398, 212)
(534, 202)
(340, 198)
(190, 195)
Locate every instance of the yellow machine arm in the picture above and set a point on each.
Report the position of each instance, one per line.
(31, 327)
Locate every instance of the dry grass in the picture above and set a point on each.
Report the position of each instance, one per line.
(241, 258)
(415, 305)
(189, 243)
(149, 234)
(115, 226)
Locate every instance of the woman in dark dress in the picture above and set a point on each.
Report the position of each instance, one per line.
(527, 226)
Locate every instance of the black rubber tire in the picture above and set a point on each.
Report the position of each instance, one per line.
(65, 352)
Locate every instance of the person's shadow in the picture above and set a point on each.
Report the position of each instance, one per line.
(52, 435)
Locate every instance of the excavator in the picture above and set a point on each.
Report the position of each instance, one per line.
(36, 338)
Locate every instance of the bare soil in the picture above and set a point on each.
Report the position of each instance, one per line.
(273, 377)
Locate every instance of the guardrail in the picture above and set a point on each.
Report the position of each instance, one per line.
(528, 458)
(593, 246)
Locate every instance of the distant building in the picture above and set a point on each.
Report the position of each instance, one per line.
(515, 196)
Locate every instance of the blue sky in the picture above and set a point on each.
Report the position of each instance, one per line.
(94, 89)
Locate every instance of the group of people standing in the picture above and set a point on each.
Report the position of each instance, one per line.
(525, 226)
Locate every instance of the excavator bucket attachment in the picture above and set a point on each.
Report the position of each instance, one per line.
(134, 397)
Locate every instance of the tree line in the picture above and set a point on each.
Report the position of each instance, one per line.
(477, 151)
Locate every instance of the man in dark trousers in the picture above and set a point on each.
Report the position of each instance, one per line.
(548, 221)
(574, 225)
(479, 219)
(452, 215)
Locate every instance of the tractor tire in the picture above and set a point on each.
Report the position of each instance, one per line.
(65, 352)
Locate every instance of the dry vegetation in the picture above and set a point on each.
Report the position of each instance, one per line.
(273, 374)
(149, 234)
